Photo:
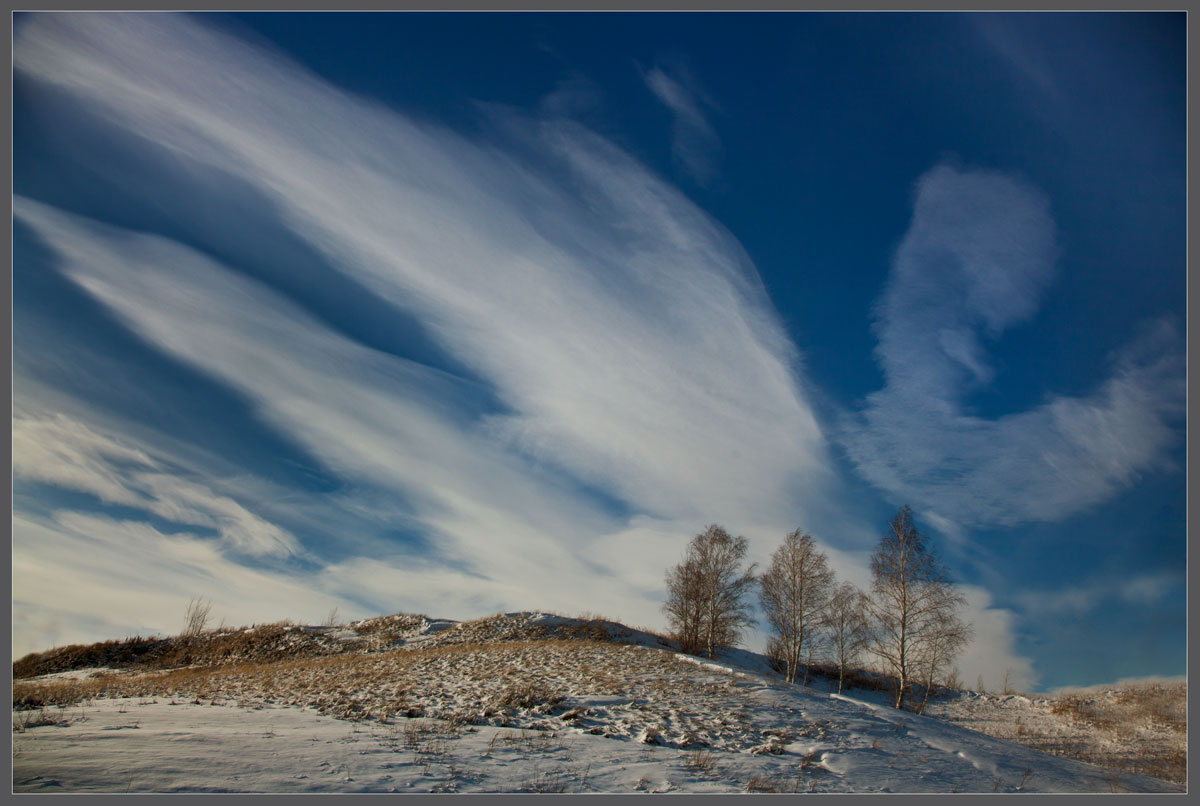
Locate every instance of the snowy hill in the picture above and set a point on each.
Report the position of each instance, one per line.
(515, 702)
(1133, 726)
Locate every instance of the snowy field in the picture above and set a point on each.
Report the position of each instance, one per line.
(164, 745)
(1137, 726)
(451, 713)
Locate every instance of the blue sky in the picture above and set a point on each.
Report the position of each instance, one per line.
(460, 313)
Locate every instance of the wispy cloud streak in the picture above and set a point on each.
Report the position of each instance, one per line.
(694, 142)
(665, 369)
(59, 450)
(1003, 36)
(977, 256)
(1141, 590)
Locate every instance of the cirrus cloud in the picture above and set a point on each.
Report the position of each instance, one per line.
(976, 258)
(666, 359)
(694, 143)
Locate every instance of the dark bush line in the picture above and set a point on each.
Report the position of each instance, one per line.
(821, 675)
(115, 654)
(266, 643)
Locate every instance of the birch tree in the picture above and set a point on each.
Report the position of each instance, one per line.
(706, 592)
(685, 603)
(848, 631)
(947, 636)
(912, 595)
(794, 592)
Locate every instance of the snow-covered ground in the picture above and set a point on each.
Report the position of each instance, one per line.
(1138, 727)
(165, 745)
(452, 712)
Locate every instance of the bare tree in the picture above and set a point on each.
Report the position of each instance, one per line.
(706, 593)
(947, 636)
(775, 654)
(685, 603)
(911, 596)
(793, 593)
(725, 585)
(846, 620)
(813, 649)
(195, 618)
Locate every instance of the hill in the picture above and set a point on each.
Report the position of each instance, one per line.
(513, 702)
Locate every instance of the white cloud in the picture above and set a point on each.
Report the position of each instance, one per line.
(59, 450)
(694, 143)
(977, 255)
(84, 578)
(628, 332)
(992, 653)
(65, 452)
(1140, 590)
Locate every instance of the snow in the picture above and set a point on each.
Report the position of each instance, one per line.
(524, 716)
(165, 745)
(80, 674)
(1139, 726)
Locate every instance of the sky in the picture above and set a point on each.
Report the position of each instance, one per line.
(467, 313)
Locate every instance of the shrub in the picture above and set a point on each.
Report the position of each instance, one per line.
(527, 694)
(195, 617)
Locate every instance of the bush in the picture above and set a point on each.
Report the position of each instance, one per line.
(195, 617)
(527, 695)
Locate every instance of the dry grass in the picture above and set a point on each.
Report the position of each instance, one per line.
(23, 721)
(78, 656)
(771, 784)
(263, 642)
(1134, 727)
(1140, 728)
(547, 782)
(284, 641)
(700, 761)
(399, 683)
(428, 737)
(513, 685)
(399, 623)
(530, 694)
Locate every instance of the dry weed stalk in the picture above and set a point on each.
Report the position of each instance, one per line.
(700, 761)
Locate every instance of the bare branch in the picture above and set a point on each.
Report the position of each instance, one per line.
(793, 593)
(913, 608)
(195, 618)
(706, 592)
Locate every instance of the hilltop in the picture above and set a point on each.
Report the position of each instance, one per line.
(512, 702)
